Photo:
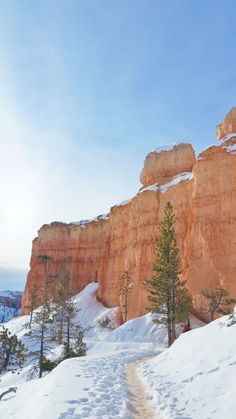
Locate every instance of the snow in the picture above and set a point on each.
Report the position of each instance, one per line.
(123, 203)
(177, 179)
(141, 329)
(87, 387)
(8, 293)
(167, 147)
(151, 188)
(195, 377)
(231, 149)
(92, 386)
(81, 223)
(163, 188)
(7, 313)
(227, 137)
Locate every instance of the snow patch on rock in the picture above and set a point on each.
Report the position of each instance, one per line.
(177, 179)
(167, 147)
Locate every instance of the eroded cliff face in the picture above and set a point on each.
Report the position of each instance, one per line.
(203, 194)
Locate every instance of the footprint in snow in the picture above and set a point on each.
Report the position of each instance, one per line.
(213, 370)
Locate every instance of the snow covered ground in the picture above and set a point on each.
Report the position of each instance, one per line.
(192, 379)
(195, 377)
(91, 386)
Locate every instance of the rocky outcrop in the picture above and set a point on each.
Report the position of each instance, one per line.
(204, 201)
(227, 126)
(10, 302)
(162, 164)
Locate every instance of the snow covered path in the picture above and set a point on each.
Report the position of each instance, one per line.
(140, 402)
(94, 386)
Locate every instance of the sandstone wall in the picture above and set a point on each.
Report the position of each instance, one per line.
(204, 202)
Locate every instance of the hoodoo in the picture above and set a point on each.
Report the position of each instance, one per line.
(227, 126)
(203, 194)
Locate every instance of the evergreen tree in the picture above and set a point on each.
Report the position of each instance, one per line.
(33, 302)
(67, 330)
(125, 286)
(168, 295)
(73, 334)
(62, 294)
(42, 322)
(217, 301)
(12, 351)
(41, 333)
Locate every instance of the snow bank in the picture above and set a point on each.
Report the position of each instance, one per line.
(195, 378)
(141, 329)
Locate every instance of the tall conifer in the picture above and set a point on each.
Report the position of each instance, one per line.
(168, 295)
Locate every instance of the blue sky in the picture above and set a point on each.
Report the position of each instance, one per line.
(88, 88)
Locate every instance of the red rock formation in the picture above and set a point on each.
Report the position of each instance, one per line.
(204, 201)
(227, 126)
(163, 164)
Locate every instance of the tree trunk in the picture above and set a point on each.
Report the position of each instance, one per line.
(6, 360)
(11, 389)
(41, 350)
(67, 349)
(31, 317)
(126, 305)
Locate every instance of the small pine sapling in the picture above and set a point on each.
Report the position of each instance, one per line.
(217, 301)
(73, 335)
(12, 351)
(125, 287)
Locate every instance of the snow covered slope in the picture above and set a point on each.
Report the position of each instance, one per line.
(92, 386)
(195, 377)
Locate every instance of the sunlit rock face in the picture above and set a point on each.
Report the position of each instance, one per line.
(228, 125)
(204, 201)
(162, 164)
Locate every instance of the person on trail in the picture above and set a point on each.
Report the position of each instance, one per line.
(187, 327)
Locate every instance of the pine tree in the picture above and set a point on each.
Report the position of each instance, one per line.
(73, 333)
(12, 351)
(41, 333)
(168, 295)
(33, 302)
(125, 286)
(62, 294)
(217, 301)
(67, 330)
(42, 321)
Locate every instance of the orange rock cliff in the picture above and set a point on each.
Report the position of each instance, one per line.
(203, 194)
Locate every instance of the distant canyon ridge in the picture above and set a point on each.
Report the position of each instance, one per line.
(203, 193)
